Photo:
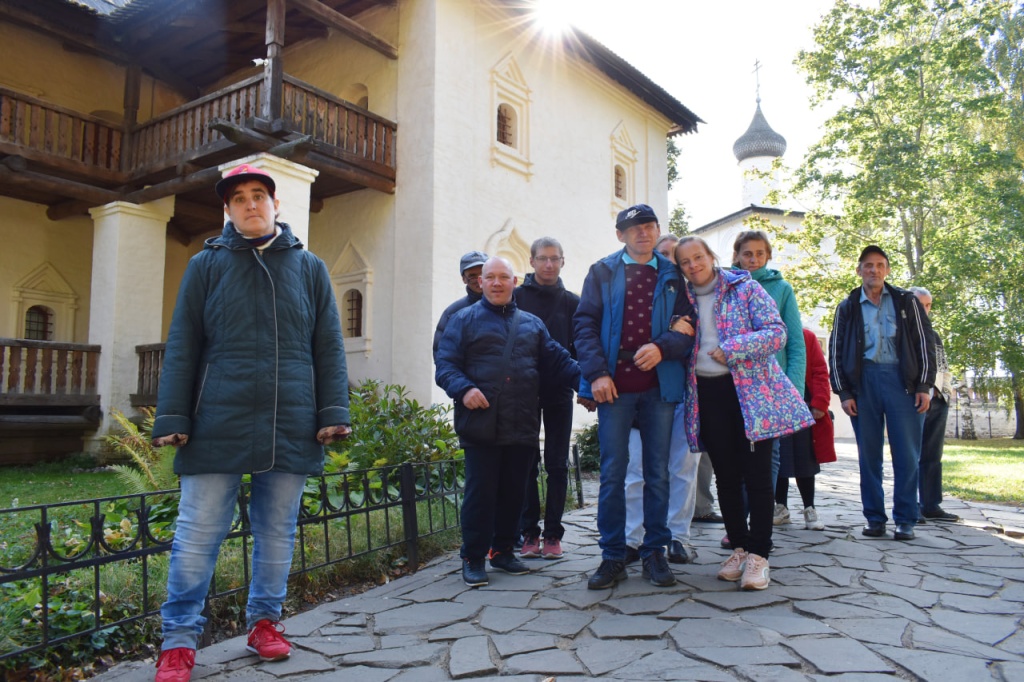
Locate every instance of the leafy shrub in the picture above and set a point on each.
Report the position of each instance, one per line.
(388, 427)
(589, 448)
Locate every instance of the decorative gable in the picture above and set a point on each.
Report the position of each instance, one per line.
(352, 277)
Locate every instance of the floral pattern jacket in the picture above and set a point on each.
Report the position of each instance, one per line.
(751, 332)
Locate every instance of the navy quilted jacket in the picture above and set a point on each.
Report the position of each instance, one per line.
(470, 356)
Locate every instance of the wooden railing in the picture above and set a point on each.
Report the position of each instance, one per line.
(33, 128)
(338, 123)
(43, 372)
(39, 126)
(151, 362)
(175, 133)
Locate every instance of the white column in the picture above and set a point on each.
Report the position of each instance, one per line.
(126, 299)
(293, 181)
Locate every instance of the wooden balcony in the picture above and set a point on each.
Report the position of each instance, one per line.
(72, 161)
(151, 362)
(48, 398)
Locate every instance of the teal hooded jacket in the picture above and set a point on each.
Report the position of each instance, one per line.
(793, 356)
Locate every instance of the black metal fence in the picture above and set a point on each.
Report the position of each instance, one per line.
(57, 561)
(68, 548)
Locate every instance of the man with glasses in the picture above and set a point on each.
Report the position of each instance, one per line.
(543, 294)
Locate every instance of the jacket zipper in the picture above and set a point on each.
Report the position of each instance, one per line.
(273, 298)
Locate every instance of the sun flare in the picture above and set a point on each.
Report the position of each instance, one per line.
(552, 16)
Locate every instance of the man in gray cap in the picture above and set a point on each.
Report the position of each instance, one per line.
(470, 267)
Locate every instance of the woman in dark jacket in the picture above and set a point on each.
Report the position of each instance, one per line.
(254, 382)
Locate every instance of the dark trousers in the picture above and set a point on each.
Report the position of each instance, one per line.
(557, 432)
(738, 464)
(930, 476)
(493, 498)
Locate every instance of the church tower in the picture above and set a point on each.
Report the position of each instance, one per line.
(755, 150)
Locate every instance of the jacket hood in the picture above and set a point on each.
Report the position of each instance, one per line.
(530, 283)
(230, 238)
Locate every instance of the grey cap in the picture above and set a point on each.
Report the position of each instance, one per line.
(471, 260)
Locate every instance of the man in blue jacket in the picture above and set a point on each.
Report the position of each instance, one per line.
(630, 361)
(254, 382)
(490, 362)
(882, 360)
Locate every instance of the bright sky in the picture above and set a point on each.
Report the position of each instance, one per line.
(703, 54)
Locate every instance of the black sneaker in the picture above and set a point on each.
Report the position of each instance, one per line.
(607, 574)
(473, 572)
(632, 555)
(657, 571)
(507, 561)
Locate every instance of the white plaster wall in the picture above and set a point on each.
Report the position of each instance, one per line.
(31, 239)
(573, 113)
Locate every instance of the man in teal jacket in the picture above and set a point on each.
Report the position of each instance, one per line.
(254, 382)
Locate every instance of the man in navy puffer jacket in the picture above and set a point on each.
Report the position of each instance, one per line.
(471, 368)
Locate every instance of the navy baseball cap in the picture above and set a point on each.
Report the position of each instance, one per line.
(635, 215)
(471, 260)
(244, 173)
(870, 249)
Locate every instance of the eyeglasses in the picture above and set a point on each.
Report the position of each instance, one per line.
(544, 260)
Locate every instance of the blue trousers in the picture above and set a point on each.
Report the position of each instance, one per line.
(493, 499)
(883, 404)
(614, 421)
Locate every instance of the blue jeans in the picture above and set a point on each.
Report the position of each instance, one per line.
(205, 514)
(614, 421)
(884, 404)
(682, 484)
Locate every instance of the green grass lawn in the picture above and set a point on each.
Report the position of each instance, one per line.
(984, 470)
(54, 482)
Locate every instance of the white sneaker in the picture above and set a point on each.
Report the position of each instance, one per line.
(811, 520)
(781, 515)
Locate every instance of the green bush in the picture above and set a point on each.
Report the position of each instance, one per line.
(589, 449)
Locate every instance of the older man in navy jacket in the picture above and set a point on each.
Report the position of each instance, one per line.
(490, 362)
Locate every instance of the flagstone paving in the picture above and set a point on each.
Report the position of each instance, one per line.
(946, 606)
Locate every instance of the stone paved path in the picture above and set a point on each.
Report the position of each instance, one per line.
(947, 606)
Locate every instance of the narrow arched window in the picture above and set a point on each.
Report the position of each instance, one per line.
(353, 314)
(39, 323)
(620, 182)
(506, 125)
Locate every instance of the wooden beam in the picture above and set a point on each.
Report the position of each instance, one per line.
(68, 209)
(193, 210)
(337, 20)
(339, 169)
(204, 178)
(59, 186)
(177, 233)
(273, 67)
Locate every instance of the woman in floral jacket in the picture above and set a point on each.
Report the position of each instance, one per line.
(739, 400)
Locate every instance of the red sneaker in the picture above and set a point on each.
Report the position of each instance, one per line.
(552, 548)
(531, 547)
(175, 665)
(267, 641)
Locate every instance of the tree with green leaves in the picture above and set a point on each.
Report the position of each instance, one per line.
(910, 163)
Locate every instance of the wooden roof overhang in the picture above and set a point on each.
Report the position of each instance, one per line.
(191, 46)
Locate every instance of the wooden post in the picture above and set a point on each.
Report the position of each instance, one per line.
(273, 68)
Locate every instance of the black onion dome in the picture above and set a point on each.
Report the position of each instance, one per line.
(759, 140)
